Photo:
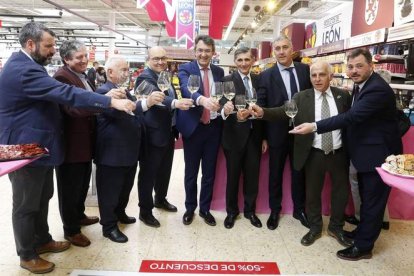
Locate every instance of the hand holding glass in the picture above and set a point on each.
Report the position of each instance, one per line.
(240, 102)
(217, 93)
(193, 84)
(291, 109)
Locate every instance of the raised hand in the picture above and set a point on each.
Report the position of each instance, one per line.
(117, 93)
(209, 103)
(304, 128)
(123, 105)
(256, 111)
(155, 98)
(183, 104)
(228, 108)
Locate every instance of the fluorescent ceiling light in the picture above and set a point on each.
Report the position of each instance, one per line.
(80, 23)
(234, 17)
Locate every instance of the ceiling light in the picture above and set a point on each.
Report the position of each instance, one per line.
(236, 13)
(253, 24)
(271, 5)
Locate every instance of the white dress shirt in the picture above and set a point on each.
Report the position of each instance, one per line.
(286, 77)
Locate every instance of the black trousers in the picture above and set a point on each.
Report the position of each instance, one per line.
(374, 196)
(246, 160)
(154, 174)
(32, 189)
(72, 187)
(113, 185)
(317, 165)
(277, 160)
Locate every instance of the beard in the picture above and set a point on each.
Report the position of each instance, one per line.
(38, 58)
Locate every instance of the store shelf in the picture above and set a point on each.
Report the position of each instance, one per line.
(399, 75)
(389, 58)
(402, 86)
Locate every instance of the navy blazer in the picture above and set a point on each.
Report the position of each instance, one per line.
(158, 119)
(118, 134)
(29, 106)
(188, 120)
(272, 93)
(236, 134)
(371, 125)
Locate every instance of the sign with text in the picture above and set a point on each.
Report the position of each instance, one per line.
(201, 267)
(369, 38)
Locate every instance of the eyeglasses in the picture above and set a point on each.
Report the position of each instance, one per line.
(207, 51)
(158, 59)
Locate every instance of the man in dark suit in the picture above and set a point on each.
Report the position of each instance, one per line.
(92, 73)
(200, 128)
(319, 154)
(29, 112)
(118, 146)
(242, 144)
(371, 135)
(277, 85)
(155, 167)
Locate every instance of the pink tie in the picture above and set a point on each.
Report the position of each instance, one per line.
(205, 117)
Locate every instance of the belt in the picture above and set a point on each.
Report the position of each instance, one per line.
(328, 153)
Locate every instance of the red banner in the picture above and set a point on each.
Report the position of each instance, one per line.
(199, 267)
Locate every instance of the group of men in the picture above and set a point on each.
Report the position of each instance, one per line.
(129, 131)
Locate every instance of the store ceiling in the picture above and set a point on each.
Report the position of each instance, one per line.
(81, 18)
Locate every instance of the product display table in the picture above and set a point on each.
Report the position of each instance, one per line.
(10, 166)
(400, 182)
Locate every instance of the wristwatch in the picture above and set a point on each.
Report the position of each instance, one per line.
(315, 127)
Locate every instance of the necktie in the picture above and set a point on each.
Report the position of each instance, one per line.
(293, 85)
(355, 94)
(247, 86)
(205, 117)
(327, 139)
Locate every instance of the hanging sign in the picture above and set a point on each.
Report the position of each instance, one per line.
(185, 21)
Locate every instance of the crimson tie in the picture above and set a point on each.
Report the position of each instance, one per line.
(205, 117)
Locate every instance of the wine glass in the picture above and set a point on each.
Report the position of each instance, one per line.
(251, 99)
(217, 93)
(229, 90)
(240, 103)
(193, 84)
(291, 109)
(143, 90)
(164, 83)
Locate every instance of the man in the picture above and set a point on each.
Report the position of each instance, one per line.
(155, 167)
(92, 72)
(319, 154)
(29, 112)
(372, 134)
(277, 85)
(242, 144)
(200, 128)
(118, 146)
(73, 176)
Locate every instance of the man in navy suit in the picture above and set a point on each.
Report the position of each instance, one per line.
(29, 113)
(277, 85)
(118, 147)
(155, 167)
(200, 128)
(372, 135)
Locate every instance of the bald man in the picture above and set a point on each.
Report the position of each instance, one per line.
(155, 166)
(311, 153)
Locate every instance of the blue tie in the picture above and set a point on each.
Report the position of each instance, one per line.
(247, 86)
(293, 85)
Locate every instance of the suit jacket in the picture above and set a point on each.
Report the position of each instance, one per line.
(92, 75)
(372, 128)
(78, 124)
(188, 120)
(236, 134)
(118, 135)
(272, 92)
(29, 106)
(158, 119)
(305, 101)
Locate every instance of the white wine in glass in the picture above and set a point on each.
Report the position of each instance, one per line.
(229, 90)
(251, 97)
(291, 109)
(240, 103)
(193, 83)
(142, 90)
(217, 93)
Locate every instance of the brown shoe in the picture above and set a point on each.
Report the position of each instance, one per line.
(78, 240)
(88, 220)
(37, 265)
(53, 246)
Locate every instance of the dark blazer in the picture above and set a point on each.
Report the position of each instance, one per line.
(188, 120)
(78, 124)
(118, 135)
(272, 92)
(372, 128)
(305, 101)
(92, 75)
(29, 106)
(157, 119)
(236, 134)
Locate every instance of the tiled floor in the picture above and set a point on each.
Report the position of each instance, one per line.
(393, 254)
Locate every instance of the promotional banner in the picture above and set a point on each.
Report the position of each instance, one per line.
(371, 15)
(403, 11)
(185, 21)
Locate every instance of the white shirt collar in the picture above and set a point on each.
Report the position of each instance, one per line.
(318, 94)
(27, 54)
(202, 68)
(243, 75)
(282, 67)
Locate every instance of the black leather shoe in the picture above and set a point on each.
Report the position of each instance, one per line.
(353, 253)
(254, 220)
(310, 238)
(165, 205)
(149, 220)
(349, 234)
(273, 221)
(340, 237)
(208, 218)
(352, 220)
(116, 236)
(386, 225)
(124, 219)
(229, 221)
(188, 217)
(301, 216)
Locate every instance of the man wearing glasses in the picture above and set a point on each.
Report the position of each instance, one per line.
(200, 128)
(155, 166)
